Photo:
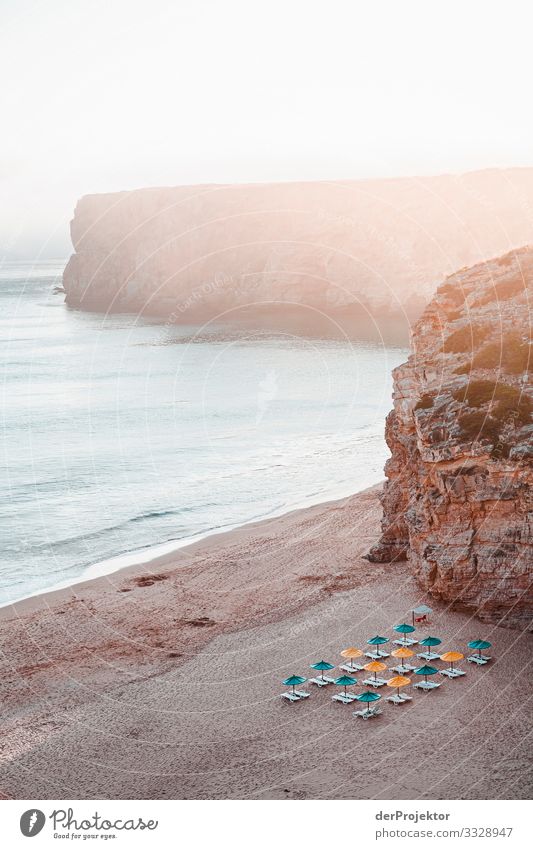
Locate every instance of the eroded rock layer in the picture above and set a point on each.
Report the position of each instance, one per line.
(458, 501)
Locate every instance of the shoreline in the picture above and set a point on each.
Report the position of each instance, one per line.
(140, 557)
(167, 685)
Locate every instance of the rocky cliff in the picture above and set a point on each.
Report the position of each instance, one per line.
(361, 258)
(458, 501)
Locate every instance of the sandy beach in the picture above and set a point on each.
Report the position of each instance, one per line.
(164, 681)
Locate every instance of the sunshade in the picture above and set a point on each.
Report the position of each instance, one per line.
(479, 645)
(322, 665)
(425, 671)
(430, 641)
(451, 656)
(345, 681)
(402, 652)
(367, 696)
(377, 641)
(294, 681)
(351, 653)
(398, 681)
(404, 628)
(375, 666)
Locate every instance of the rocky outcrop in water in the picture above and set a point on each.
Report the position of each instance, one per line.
(356, 258)
(458, 501)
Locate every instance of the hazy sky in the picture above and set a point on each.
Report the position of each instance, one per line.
(101, 95)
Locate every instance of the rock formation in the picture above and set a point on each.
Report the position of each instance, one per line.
(458, 501)
(360, 258)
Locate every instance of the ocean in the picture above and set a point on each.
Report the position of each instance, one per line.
(119, 434)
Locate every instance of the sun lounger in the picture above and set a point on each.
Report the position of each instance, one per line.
(405, 698)
(429, 655)
(481, 661)
(291, 697)
(452, 673)
(367, 713)
(302, 694)
(350, 669)
(427, 685)
(374, 682)
(376, 655)
(344, 699)
(396, 699)
(407, 642)
(321, 682)
(401, 670)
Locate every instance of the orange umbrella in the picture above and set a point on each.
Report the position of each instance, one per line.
(375, 666)
(451, 656)
(351, 653)
(398, 681)
(403, 652)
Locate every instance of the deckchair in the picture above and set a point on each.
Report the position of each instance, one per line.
(367, 713)
(291, 697)
(452, 673)
(428, 655)
(481, 661)
(427, 685)
(344, 699)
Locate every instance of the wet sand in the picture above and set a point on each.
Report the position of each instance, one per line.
(163, 681)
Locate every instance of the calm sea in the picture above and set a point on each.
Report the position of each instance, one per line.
(119, 434)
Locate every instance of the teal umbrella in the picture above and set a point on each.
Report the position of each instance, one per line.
(345, 681)
(479, 645)
(426, 670)
(377, 641)
(368, 697)
(294, 681)
(322, 665)
(430, 641)
(404, 629)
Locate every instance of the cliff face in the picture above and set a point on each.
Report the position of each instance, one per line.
(458, 501)
(351, 253)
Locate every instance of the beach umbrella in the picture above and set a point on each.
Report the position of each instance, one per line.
(398, 681)
(451, 656)
(479, 645)
(375, 666)
(430, 641)
(377, 641)
(345, 681)
(425, 671)
(351, 654)
(402, 652)
(294, 681)
(322, 665)
(368, 697)
(404, 629)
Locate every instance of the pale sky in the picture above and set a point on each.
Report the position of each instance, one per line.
(103, 95)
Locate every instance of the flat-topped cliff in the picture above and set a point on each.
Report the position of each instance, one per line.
(361, 258)
(458, 501)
